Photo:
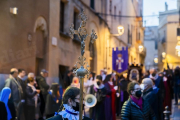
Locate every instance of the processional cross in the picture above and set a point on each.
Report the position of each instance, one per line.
(119, 61)
(81, 71)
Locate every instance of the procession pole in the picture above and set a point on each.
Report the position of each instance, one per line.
(81, 97)
(81, 72)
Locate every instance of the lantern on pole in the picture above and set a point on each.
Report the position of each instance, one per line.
(81, 71)
(163, 55)
(156, 60)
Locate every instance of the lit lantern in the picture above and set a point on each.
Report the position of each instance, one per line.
(156, 60)
(163, 54)
(120, 30)
(14, 10)
(141, 48)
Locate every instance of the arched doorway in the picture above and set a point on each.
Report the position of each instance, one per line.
(40, 30)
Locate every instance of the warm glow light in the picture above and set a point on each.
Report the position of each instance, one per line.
(120, 30)
(141, 48)
(14, 10)
(179, 53)
(163, 54)
(156, 60)
(178, 38)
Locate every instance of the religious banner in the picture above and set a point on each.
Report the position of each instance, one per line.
(120, 59)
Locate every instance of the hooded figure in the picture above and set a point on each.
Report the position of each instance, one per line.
(4, 97)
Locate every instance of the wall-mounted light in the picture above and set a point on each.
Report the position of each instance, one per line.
(163, 54)
(14, 10)
(120, 29)
(156, 60)
(141, 48)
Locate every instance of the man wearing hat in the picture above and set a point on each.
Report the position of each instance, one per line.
(43, 86)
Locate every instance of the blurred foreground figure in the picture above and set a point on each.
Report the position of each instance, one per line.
(53, 100)
(70, 106)
(5, 113)
(150, 95)
(136, 108)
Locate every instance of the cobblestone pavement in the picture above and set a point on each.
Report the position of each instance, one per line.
(175, 112)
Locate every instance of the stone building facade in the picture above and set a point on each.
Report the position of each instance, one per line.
(168, 24)
(151, 45)
(37, 36)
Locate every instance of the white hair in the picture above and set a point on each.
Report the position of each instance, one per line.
(147, 81)
(30, 75)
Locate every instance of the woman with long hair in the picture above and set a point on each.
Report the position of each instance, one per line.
(53, 100)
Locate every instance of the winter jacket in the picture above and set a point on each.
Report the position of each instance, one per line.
(16, 89)
(131, 111)
(42, 85)
(152, 98)
(30, 101)
(51, 105)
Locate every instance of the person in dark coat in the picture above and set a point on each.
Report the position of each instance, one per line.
(97, 112)
(16, 92)
(44, 87)
(70, 106)
(136, 108)
(176, 84)
(31, 99)
(123, 83)
(3, 115)
(53, 100)
(20, 79)
(149, 95)
(4, 97)
(68, 79)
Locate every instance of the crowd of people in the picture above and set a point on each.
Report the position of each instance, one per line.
(144, 99)
(29, 98)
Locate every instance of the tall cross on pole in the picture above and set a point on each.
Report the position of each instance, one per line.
(81, 71)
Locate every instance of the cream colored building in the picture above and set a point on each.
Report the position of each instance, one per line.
(133, 30)
(168, 24)
(151, 45)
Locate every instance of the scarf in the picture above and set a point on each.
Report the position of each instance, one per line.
(4, 97)
(138, 102)
(69, 113)
(36, 96)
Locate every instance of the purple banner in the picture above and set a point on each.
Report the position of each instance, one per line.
(120, 59)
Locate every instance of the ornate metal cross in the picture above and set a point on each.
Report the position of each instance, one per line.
(81, 72)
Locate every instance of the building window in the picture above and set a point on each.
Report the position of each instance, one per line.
(119, 16)
(114, 12)
(110, 6)
(76, 23)
(92, 4)
(62, 16)
(128, 35)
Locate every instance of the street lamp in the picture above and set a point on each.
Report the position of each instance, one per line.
(120, 30)
(163, 54)
(156, 60)
(141, 48)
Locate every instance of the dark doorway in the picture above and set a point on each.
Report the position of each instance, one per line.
(39, 65)
(62, 73)
(91, 49)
